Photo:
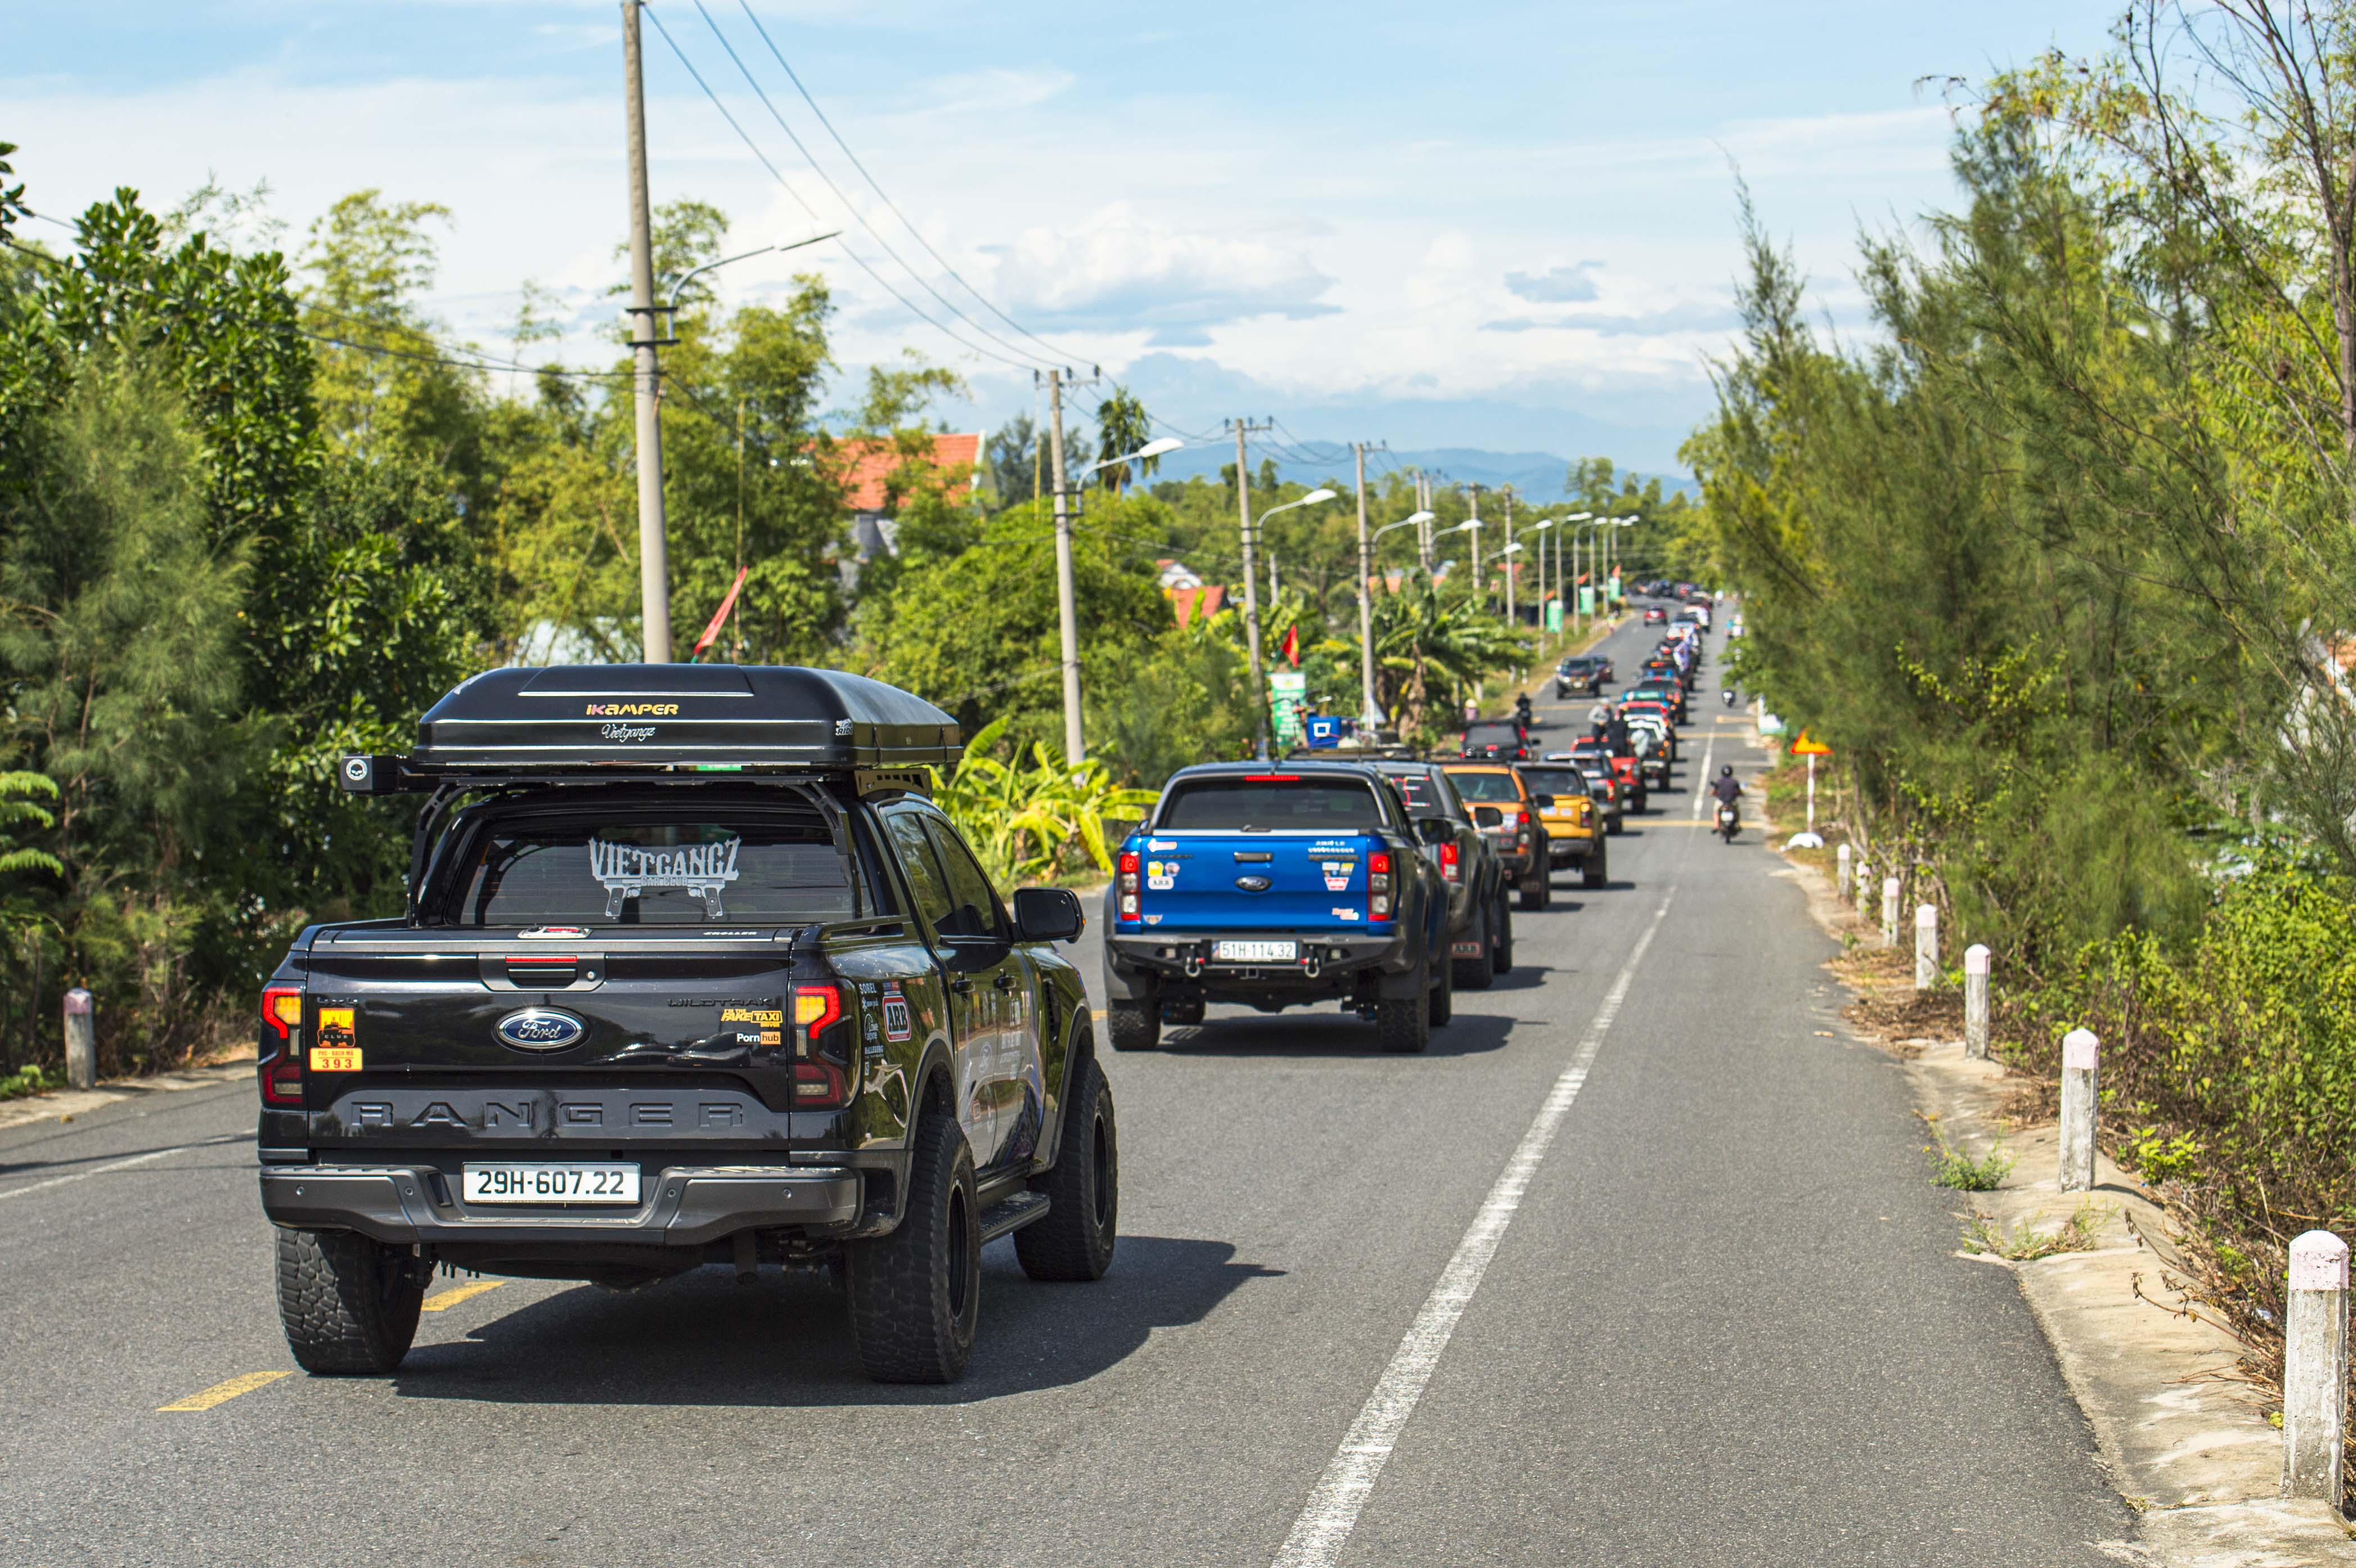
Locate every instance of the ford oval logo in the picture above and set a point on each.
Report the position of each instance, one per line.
(541, 1029)
(1252, 884)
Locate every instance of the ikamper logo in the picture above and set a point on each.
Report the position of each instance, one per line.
(633, 710)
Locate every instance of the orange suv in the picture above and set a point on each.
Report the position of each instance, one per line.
(1508, 820)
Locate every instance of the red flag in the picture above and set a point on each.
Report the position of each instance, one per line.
(1292, 646)
(720, 619)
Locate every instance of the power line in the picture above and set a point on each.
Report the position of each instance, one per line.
(755, 149)
(878, 189)
(856, 216)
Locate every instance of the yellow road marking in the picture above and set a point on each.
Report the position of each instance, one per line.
(221, 1393)
(451, 1298)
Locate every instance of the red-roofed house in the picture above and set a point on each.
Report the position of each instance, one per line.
(871, 463)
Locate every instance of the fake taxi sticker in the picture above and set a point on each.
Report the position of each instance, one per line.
(339, 1048)
(770, 1021)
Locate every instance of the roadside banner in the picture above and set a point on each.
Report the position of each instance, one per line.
(1288, 701)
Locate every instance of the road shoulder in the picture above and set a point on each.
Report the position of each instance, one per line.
(68, 1104)
(2188, 1442)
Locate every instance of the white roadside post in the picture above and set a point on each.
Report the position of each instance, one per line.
(81, 1040)
(1926, 946)
(1844, 876)
(1890, 891)
(2080, 1054)
(1864, 887)
(2315, 1368)
(1976, 1001)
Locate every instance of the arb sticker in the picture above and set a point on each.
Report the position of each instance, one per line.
(337, 1050)
(896, 1025)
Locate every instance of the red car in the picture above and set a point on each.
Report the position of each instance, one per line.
(1654, 615)
(1623, 770)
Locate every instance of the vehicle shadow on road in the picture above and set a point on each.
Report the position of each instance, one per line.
(703, 1339)
(1470, 1032)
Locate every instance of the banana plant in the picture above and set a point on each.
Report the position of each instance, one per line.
(1028, 822)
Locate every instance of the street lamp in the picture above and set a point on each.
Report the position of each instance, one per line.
(1251, 617)
(1370, 715)
(689, 277)
(1067, 615)
(1611, 551)
(1470, 526)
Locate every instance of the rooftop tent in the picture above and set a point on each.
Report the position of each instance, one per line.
(665, 717)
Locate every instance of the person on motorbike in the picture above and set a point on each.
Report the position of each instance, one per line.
(1728, 790)
(1522, 710)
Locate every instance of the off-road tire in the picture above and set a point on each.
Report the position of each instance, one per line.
(1475, 973)
(1403, 1024)
(1074, 1242)
(1644, 799)
(1613, 825)
(349, 1304)
(1501, 954)
(1538, 889)
(916, 1295)
(1443, 994)
(1597, 871)
(1133, 1026)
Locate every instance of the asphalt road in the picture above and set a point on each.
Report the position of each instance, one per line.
(1716, 1319)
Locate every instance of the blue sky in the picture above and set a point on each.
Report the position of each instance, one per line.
(1500, 226)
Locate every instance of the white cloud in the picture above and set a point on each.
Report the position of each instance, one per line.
(1118, 271)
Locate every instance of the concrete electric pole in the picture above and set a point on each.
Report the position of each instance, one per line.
(1066, 602)
(1243, 428)
(645, 337)
(1370, 717)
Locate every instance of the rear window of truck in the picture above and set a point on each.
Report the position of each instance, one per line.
(1489, 788)
(1424, 798)
(1555, 782)
(1271, 803)
(645, 872)
(1492, 735)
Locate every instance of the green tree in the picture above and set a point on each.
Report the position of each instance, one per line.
(1122, 427)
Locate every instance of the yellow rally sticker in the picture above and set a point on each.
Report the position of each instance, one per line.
(337, 1050)
(335, 1059)
(764, 1018)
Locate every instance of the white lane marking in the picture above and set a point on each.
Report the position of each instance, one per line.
(117, 1164)
(1332, 1511)
(1702, 784)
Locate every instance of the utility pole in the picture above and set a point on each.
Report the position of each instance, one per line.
(1474, 491)
(1066, 605)
(645, 337)
(1424, 530)
(1243, 428)
(1370, 717)
(1506, 557)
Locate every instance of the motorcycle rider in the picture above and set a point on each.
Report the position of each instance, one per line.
(1729, 792)
(1615, 735)
(1522, 710)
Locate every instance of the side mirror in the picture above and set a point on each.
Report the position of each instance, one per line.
(1048, 914)
(1488, 817)
(1543, 801)
(1433, 831)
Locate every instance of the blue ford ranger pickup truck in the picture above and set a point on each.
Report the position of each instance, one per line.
(1277, 887)
(691, 971)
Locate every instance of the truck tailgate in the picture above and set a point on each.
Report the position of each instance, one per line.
(1255, 881)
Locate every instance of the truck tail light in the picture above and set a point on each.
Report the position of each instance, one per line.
(821, 1067)
(1379, 886)
(281, 1067)
(1127, 891)
(1448, 863)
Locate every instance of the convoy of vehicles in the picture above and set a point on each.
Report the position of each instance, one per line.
(694, 971)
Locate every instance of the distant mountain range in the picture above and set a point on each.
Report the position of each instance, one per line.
(1537, 476)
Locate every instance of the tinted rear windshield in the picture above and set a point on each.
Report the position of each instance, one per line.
(1492, 735)
(1303, 805)
(578, 870)
(1491, 787)
(1555, 780)
(1422, 796)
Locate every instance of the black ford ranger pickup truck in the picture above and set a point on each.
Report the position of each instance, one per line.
(691, 971)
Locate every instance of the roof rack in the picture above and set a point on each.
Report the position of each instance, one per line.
(564, 723)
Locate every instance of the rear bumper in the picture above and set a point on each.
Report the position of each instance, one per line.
(1330, 963)
(684, 1206)
(1563, 850)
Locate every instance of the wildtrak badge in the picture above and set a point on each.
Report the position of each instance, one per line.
(634, 710)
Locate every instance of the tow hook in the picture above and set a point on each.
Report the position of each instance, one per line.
(1193, 966)
(1312, 965)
